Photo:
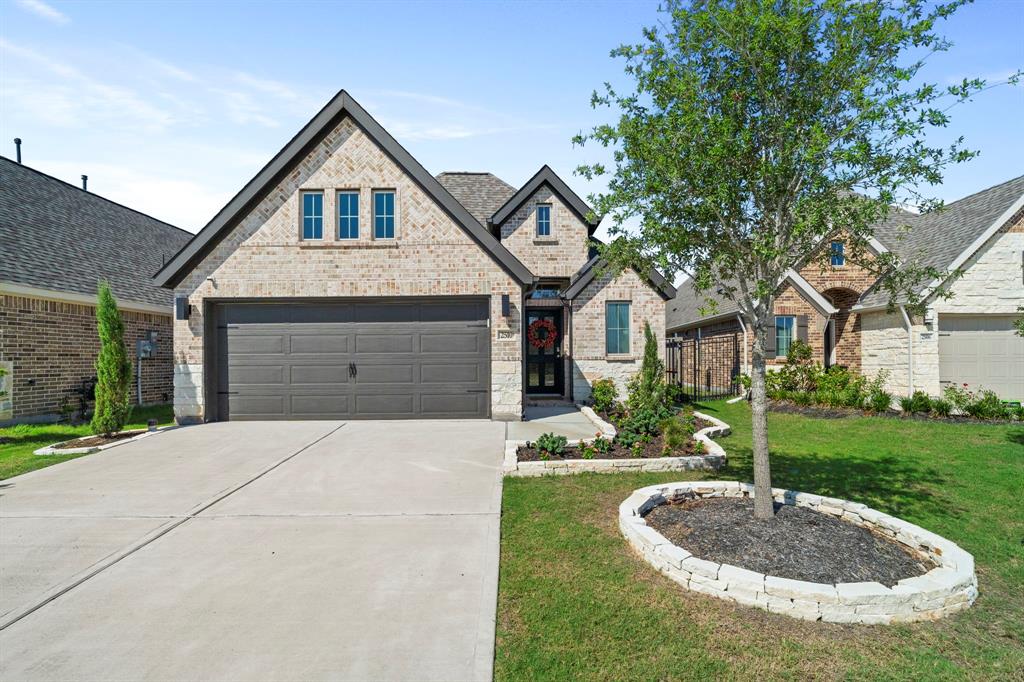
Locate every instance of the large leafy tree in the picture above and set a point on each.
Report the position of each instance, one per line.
(756, 131)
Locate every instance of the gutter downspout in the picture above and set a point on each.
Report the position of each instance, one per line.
(910, 350)
(746, 366)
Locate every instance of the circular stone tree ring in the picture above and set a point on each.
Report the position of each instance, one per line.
(950, 587)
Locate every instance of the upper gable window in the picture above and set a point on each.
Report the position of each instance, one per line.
(544, 220)
(348, 215)
(384, 214)
(312, 215)
(837, 257)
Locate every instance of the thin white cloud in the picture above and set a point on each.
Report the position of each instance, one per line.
(242, 109)
(41, 9)
(91, 98)
(266, 85)
(425, 98)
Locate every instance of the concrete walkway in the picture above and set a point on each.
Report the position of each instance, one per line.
(562, 421)
(236, 551)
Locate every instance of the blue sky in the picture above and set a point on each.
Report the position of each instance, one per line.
(171, 107)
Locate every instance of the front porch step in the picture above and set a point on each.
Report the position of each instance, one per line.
(553, 401)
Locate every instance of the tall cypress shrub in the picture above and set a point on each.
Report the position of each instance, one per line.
(113, 367)
(647, 387)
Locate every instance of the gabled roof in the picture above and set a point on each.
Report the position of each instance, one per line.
(546, 176)
(298, 147)
(590, 269)
(946, 238)
(481, 193)
(58, 237)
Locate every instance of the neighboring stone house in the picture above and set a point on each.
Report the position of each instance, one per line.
(56, 242)
(345, 281)
(843, 314)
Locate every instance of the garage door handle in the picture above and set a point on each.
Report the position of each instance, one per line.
(227, 392)
(351, 369)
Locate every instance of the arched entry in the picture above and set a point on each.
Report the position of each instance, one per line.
(842, 333)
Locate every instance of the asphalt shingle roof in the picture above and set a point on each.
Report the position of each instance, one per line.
(936, 239)
(685, 307)
(57, 236)
(481, 193)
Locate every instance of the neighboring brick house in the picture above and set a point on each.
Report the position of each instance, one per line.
(345, 281)
(842, 313)
(56, 242)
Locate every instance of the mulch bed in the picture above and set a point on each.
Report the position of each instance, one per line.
(94, 441)
(799, 543)
(652, 450)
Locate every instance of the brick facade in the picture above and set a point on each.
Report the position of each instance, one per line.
(51, 346)
(589, 360)
(559, 255)
(263, 257)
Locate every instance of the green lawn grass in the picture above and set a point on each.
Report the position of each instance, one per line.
(17, 443)
(575, 603)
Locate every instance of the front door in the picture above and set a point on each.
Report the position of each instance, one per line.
(545, 372)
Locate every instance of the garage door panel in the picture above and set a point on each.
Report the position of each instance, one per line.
(412, 359)
(243, 344)
(385, 343)
(319, 343)
(982, 351)
(451, 342)
(392, 373)
(431, 373)
(319, 406)
(318, 374)
(247, 375)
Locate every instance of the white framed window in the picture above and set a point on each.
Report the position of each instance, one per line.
(543, 220)
(384, 214)
(348, 214)
(616, 327)
(312, 215)
(785, 330)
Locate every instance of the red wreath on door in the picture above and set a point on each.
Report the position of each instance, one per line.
(536, 339)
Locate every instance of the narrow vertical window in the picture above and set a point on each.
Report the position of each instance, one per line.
(616, 326)
(348, 215)
(312, 215)
(384, 215)
(837, 256)
(544, 220)
(785, 325)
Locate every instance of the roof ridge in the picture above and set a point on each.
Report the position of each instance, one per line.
(980, 191)
(92, 194)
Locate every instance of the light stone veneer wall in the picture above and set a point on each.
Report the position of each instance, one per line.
(589, 360)
(950, 587)
(430, 256)
(991, 284)
(559, 255)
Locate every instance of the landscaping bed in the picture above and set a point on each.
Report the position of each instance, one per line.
(96, 441)
(826, 412)
(798, 543)
(656, 447)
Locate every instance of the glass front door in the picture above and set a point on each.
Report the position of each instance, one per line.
(545, 372)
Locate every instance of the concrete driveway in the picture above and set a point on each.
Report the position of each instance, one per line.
(285, 550)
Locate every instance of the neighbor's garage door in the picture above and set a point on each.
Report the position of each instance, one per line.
(366, 359)
(982, 351)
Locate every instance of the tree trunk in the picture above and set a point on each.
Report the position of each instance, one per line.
(763, 504)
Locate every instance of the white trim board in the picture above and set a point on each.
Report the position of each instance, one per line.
(13, 289)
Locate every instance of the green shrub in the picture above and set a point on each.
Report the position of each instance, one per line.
(802, 398)
(647, 387)
(674, 394)
(879, 400)
(918, 403)
(959, 397)
(987, 405)
(586, 451)
(602, 445)
(604, 394)
(113, 367)
(551, 444)
(698, 447)
(906, 404)
(678, 430)
(941, 408)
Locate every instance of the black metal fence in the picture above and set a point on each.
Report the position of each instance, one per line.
(704, 368)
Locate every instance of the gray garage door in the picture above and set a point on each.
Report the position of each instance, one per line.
(367, 359)
(983, 352)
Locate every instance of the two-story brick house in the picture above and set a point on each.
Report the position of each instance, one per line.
(345, 281)
(842, 313)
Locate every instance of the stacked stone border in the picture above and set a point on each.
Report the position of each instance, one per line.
(950, 587)
(712, 459)
(55, 449)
